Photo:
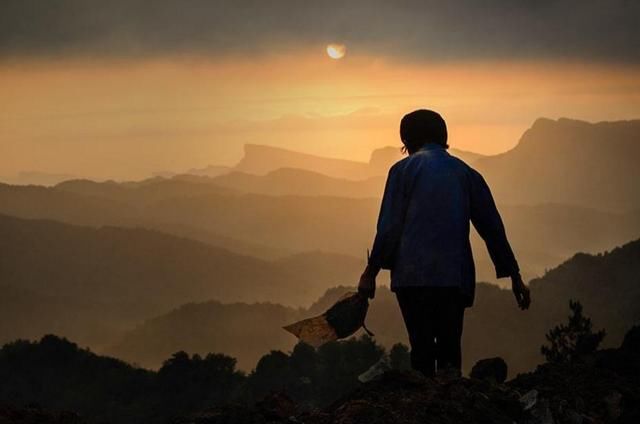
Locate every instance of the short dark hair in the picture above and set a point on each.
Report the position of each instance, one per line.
(420, 127)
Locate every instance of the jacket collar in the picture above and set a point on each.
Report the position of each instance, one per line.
(431, 146)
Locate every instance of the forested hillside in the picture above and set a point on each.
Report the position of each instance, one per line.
(607, 285)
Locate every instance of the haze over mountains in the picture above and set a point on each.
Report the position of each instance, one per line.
(36, 178)
(97, 259)
(556, 161)
(572, 162)
(143, 272)
(291, 210)
(180, 181)
(273, 226)
(494, 326)
(292, 181)
(260, 160)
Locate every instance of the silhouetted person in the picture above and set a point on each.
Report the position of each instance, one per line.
(423, 238)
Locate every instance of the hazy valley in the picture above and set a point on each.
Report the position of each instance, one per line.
(220, 259)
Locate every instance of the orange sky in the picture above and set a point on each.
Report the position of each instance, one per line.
(130, 118)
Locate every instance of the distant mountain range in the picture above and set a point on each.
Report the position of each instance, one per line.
(148, 269)
(272, 226)
(29, 314)
(608, 286)
(562, 161)
(543, 235)
(122, 252)
(292, 181)
(93, 283)
(572, 162)
(566, 161)
(36, 178)
(261, 160)
(114, 277)
(244, 331)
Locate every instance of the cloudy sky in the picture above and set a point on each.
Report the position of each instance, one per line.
(121, 89)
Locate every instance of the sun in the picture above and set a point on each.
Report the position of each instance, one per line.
(336, 51)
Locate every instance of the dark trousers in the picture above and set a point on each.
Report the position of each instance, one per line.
(433, 317)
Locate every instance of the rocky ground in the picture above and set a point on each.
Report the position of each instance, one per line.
(603, 387)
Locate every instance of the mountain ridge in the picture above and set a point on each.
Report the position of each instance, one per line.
(570, 161)
(262, 159)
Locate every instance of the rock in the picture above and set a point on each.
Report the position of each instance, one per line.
(226, 414)
(541, 413)
(376, 370)
(493, 370)
(572, 417)
(588, 392)
(276, 406)
(564, 413)
(529, 399)
(361, 411)
(613, 403)
(631, 340)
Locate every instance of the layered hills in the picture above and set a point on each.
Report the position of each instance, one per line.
(91, 283)
(270, 226)
(283, 227)
(607, 285)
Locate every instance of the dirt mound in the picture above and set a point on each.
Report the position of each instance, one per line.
(396, 397)
(404, 398)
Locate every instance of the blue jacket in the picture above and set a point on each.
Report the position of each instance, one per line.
(423, 228)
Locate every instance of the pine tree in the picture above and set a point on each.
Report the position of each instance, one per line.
(571, 340)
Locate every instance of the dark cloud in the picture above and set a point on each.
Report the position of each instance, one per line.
(588, 30)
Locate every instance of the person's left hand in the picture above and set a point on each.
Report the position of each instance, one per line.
(521, 292)
(367, 284)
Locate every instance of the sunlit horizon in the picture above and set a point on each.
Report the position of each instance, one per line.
(131, 118)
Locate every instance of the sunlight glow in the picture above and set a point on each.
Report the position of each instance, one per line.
(336, 51)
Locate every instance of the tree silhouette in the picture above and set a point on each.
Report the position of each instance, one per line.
(570, 341)
(399, 357)
(314, 377)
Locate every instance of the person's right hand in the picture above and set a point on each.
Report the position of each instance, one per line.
(367, 284)
(521, 292)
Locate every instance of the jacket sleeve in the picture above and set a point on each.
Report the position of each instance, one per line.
(390, 220)
(486, 220)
